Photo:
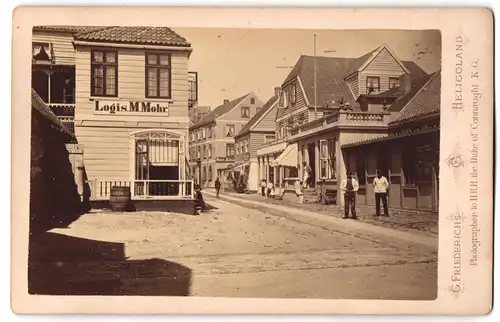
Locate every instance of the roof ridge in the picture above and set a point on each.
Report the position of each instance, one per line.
(82, 33)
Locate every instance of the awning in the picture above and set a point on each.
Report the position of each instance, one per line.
(288, 158)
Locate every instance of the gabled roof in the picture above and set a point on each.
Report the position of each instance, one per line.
(39, 105)
(359, 62)
(257, 117)
(330, 84)
(330, 75)
(123, 34)
(220, 110)
(422, 101)
(363, 61)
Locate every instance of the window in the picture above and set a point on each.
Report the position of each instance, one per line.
(104, 73)
(269, 138)
(229, 130)
(199, 153)
(409, 168)
(327, 159)
(252, 100)
(293, 93)
(361, 169)
(302, 118)
(204, 152)
(372, 84)
(283, 99)
(393, 82)
(210, 178)
(245, 111)
(41, 51)
(209, 132)
(210, 151)
(229, 149)
(204, 173)
(158, 75)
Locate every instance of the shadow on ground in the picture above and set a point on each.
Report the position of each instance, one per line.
(65, 265)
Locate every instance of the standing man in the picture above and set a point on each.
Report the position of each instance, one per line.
(380, 186)
(349, 186)
(306, 176)
(217, 187)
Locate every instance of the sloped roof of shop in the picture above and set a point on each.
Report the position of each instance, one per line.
(218, 111)
(123, 34)
(425, 100)
(39, 105)
(254, 120)
(330, 75)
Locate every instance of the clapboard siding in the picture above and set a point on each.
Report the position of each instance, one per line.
(300, 103)
(353, 82)
(256, 141)
(268, 122)
(383, 66)
(62, 46)
(131, 85)
(101, 162)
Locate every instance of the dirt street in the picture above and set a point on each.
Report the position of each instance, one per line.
(232, 251)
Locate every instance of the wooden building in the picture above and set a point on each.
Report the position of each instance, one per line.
(351, 102)
(212, 145)
(259, 130)
(408, 156)
(125, 92)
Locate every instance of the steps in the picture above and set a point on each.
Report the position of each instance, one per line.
(310, 195)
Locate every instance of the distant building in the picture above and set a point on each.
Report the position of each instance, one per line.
(260, 129)
(197, 113)
(212, 138)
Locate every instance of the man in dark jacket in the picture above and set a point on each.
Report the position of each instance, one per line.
(217, 187)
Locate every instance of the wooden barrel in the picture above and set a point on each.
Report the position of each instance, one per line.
(119, 198)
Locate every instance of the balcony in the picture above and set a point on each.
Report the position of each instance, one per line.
(226, 158)
(342, 119)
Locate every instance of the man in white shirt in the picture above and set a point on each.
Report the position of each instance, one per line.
(349, 187)
(380, 186)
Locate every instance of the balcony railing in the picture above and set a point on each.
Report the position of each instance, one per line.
(227, 158)
(61, 109)
(144, 189)
(273, 142)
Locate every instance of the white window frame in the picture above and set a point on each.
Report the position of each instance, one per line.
(327, 158)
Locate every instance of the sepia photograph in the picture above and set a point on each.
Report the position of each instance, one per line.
(235, 162)
(252, 166)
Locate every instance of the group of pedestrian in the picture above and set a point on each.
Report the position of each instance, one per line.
(266, 188)
(350, 186)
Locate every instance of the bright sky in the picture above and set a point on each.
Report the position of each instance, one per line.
(233, 62)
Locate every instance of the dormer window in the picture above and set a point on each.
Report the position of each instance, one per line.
(42, 51)
(372, 85)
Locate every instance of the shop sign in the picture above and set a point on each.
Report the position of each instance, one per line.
(131, 107)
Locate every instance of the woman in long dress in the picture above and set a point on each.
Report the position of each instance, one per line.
(305, 178)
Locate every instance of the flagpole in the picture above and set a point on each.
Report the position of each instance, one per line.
(315, 92)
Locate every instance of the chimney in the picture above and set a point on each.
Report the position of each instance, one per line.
(277, 91)
(405, 83)
(226, 101)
